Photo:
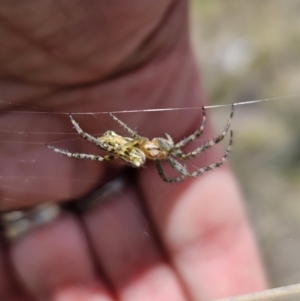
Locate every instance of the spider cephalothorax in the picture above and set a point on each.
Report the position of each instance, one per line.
(136, 149)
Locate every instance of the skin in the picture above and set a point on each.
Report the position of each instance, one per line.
(150, 240)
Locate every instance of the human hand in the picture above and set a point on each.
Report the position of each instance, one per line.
(150, 240)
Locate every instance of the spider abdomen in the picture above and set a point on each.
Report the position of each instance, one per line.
(122, 147)
(133, 156)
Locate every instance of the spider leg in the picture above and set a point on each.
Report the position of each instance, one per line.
(177, 166)
(163, 176)
(81, 155)
(213, 165)
(193, 136)
(124, 126)
(209, 144)
(84, 135)
(182, 170)
(169, 138)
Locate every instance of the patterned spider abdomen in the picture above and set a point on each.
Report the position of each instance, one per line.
(123, 148)
(133, 156)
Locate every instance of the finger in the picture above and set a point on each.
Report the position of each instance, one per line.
(96, 40)
(126, 248)
(54, 263)
(31, 172)
(31, 165)
(10, 288)
(204, 228)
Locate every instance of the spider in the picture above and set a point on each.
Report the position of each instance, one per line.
(136, 149)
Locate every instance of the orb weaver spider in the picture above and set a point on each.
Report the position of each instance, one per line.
(136, 149)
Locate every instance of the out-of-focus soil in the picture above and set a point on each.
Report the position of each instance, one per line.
(250, 50)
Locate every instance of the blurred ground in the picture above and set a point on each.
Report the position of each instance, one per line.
(251, 50)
